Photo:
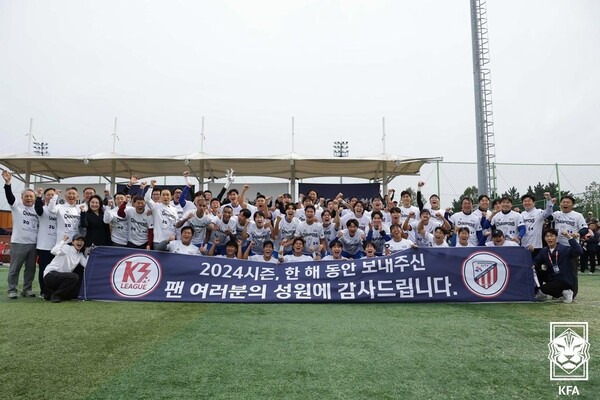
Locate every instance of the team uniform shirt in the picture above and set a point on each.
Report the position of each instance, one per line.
(534, 225)
(437, 219)
(259, 236)
(239, 229)
(414, 228)
(46, 236)
(261, 258)
(164, 218)
(220, 228)
(119, 227)
(508, 223)
(434, 244)
(467, 245)
(363, 221)
(293, 258)
(25, 223)
(301, 215)
(507, 243)
(571, 222)
(177, 247)
(377, 238)
(398, 246)
(312, 235)
(405, 212)
(425, 240)
(287, 230)
(67, 218)
(199, 225)
(66, 258)
(481, 214)
(471, 221)
(352, 244)
(330, 234)
(138, 224)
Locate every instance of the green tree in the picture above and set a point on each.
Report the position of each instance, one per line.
(512, 193)
(472, 192)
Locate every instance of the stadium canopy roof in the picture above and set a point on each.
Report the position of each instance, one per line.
(380, 167)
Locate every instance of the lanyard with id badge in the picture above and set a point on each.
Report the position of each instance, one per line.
(554, 264)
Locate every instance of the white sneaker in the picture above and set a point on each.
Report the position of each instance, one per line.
(567, 296)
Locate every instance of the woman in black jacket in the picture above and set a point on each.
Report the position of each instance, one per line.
(97, 233)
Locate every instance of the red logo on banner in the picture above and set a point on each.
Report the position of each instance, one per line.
(485, 274)
(135, 276)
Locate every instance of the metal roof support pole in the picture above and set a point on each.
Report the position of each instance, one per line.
(28, 174)
(113, 183)
(384, 179)
(293, 180)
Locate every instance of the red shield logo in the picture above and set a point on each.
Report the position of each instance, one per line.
(485, 273)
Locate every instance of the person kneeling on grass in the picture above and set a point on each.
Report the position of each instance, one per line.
(61, 282)
(556, 258)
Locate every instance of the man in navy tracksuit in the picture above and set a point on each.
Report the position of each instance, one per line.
(556, 258)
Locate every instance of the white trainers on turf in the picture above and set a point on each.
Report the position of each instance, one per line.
(567, 296)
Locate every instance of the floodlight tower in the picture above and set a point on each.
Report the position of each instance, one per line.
(340, 149)
(486, 154)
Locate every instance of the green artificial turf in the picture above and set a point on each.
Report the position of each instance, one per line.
(128, 350)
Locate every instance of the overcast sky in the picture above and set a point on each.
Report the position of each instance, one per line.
(337, 66)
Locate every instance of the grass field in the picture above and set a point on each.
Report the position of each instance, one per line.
(105, 350)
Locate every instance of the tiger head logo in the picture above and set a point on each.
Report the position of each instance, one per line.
(569, 351)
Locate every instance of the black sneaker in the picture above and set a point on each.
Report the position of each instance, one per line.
(28, 293)
(55, 299)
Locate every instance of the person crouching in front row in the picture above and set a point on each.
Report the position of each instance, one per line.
(62, 283)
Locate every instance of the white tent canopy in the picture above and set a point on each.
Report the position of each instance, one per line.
(381, 167)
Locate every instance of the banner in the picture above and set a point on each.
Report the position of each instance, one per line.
(416, 275)
(363, 191)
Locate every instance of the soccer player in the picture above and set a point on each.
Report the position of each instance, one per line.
(369, 250)
(67, 215)
(378, 233)
(199, 221)
(508, 221)
(428, 223)
(46, 237)
(336, 251)
(298, 247)
(232, 249)
(119, 226)
(397, 243)
(499, 240)
(571, 222)
(358, 214)
(266, 256)
(60, 278)
(329, 228)
(225, 230)
(23, 239)
(533, 218)
(352, 240)
(464, 235)
(311, 231)
(139, 223)
(285, 228)
(406, 208)
(182, 246)
(557, 259)
(468, 219)
(259, 232)
(164, 216)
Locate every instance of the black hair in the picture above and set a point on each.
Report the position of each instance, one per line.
(310, 206)
(49, 189)
(405, 192)
(483, 196)
(551, 231)
(506, 198)
(268, 243)
(259, 213)
(232, 191)
(352, 221)
(187, 228)
(528, 196)
(374, 213)
(246, 213)
(463, 229)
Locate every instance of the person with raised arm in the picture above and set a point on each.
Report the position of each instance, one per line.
(164, 216)
(46, 237)
(67, 215)
(23, 239)
(97, 232)
(138, 221)
(62, 282)
(266, 256)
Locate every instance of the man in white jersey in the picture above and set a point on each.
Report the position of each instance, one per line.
(139, 223)
(182, 246)
(508, 221)
(406, 208)
(119, 226)
(46, 238)
(534, 221)
(258, 232)
(467, 218)
(568, 223)
(23, 238)
(427, 239)
(285, 228)
(463, 235)
(311, 231)
(428, 222)
(164, 216)
(200, 222)
(358, 214)
(225, 230)
(68, 215)
(266, 256)
(397, 243)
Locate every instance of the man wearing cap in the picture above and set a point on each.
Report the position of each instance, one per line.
(498, 240)
(62, 283)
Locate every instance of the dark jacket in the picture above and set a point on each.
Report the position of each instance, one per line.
(565, 254)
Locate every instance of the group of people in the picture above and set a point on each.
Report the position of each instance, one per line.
(279, 230)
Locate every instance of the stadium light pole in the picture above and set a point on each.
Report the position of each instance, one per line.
(340, 149)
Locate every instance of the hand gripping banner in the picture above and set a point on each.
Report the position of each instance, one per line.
(477, 274)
